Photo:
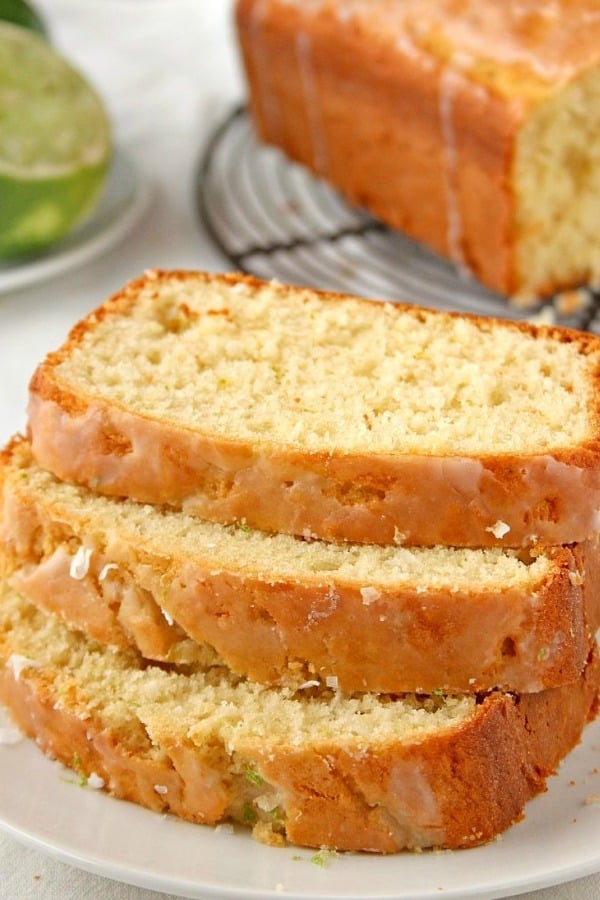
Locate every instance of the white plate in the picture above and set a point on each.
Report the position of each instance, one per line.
(42, 805)
(124, 200)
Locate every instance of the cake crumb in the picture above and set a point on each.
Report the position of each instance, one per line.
(569, 303)
(95, 782)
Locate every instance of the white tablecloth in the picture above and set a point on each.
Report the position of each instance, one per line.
(28, 875)
(168, 71)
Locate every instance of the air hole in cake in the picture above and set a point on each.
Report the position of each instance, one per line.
(508, 647)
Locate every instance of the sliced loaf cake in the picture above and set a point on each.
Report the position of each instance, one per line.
(280, 609)
(326, 416)
(368, 772)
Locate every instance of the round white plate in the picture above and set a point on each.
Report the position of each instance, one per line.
(43, 805)
(125, 198)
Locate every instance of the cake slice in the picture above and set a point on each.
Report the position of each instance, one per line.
(366, 772)
(472, 128)
(326, 416)
(282, 610)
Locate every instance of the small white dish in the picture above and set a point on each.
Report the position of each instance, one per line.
(125, 198)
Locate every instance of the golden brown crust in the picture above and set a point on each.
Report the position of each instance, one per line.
(383, 130)
(375, 108)
(543, 498)
(374, 637)
(462, 788)
(88, 746)
(553, 497)
(457, 789)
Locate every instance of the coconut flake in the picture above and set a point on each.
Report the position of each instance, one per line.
(499, 529)
(369, 595)
(95, 782)
(18, 663)
(109, 567)
(267, 802)
(168, 617)
(80, 563)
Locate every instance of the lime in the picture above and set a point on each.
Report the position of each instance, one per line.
(21, 13)
(55, 144)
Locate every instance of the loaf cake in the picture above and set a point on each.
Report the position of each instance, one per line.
(326, 416)
(370, 772)
(282, 610)
(472, 127)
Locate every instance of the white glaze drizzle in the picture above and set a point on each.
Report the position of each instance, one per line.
(257, 47)
(449, 83)
(313, 109)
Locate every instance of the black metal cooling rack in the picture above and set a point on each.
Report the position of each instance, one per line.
(274, 219)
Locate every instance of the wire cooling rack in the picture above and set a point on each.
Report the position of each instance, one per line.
(272, 218)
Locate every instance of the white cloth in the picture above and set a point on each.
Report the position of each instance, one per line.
(168, 71)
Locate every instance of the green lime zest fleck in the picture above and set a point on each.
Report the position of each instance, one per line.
(243, 526)
(76, 766)
(323, 857)
(254, 777)
(249, 815)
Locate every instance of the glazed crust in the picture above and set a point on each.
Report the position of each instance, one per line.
(425, 500)
(491, 766)
(388, 639)
(456, 789)
(417, 142)
(388, 123)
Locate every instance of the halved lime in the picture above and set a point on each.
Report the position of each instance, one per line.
(55, 144)
(21, 13)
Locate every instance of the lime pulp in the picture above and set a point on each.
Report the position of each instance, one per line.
(55, 144)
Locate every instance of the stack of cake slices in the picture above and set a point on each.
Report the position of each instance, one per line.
(324, 566)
